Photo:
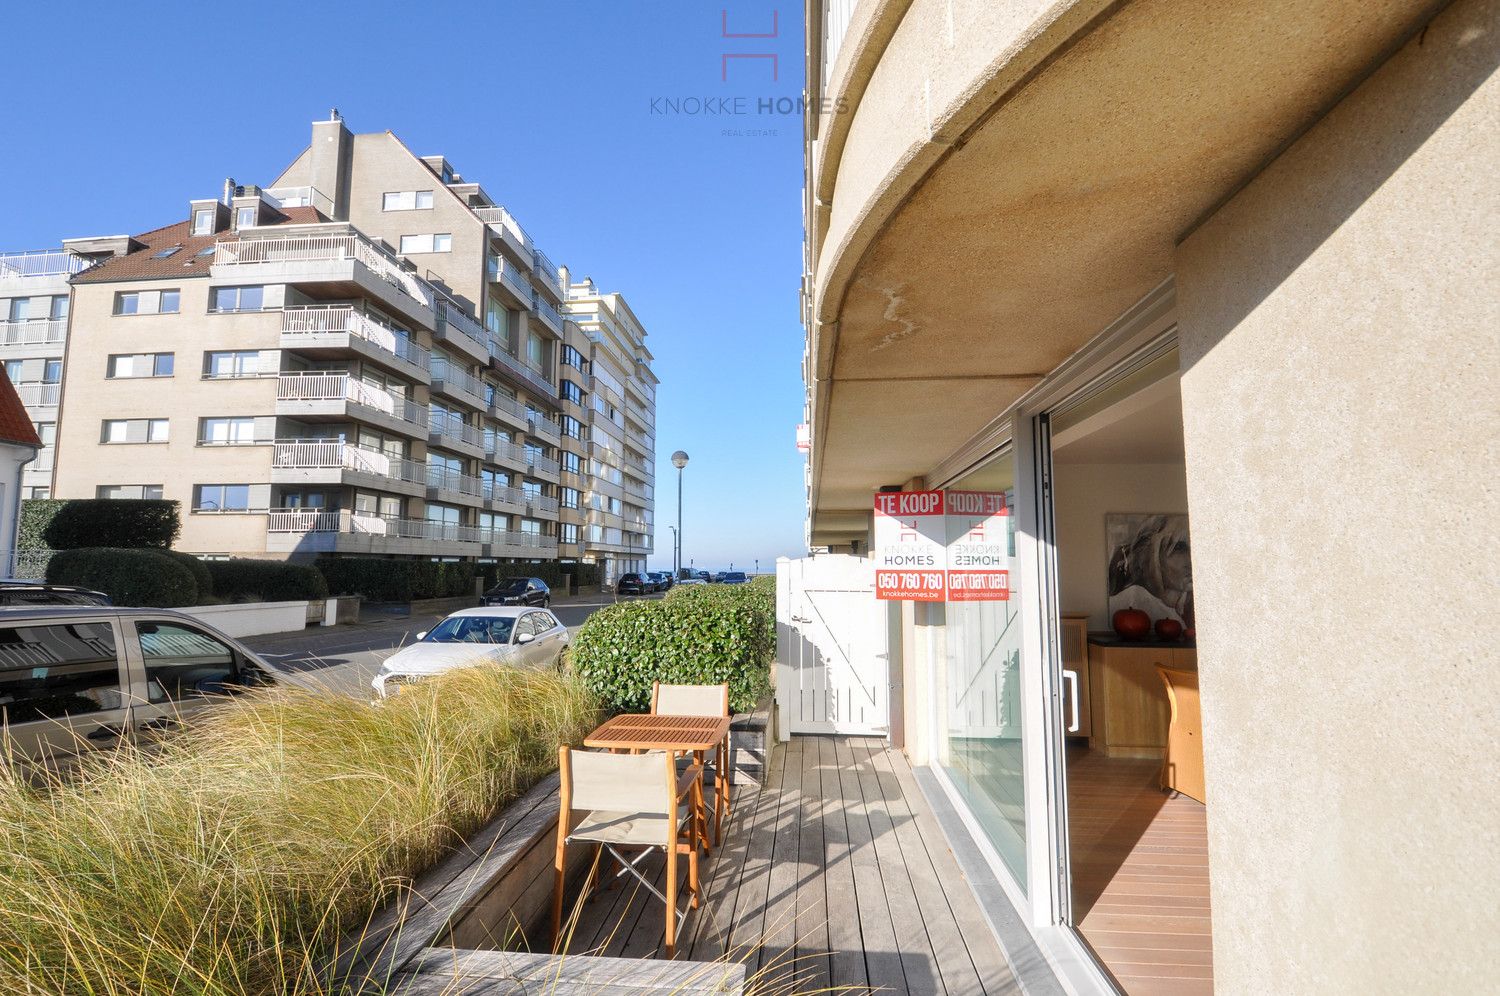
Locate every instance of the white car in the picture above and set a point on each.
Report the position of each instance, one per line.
(496, 634)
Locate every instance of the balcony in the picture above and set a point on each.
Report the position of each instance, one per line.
(522, 373)
(545, 467)
(543, 506)
(509, 410)
(543, 427)
(456, 328)
(304, 530)
(444, 484)
(452, 434)
(504, 498)
(511, 277)
(335, 395)
(44, 332)
(40, 263)
(306, 196)
(504, 224)
(644, 391)
(333, 461)
(312, 328)
(638, 495)
(642, 417)
(337, 257)
(455, 383)
(39, 394)
(509, 543)
(550, 316)
(512, 455)
(548, 278)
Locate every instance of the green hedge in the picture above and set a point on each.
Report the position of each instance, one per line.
(247, 580)
(700, 635)
(89, 523)
(553, 572)
(36, 515)
(130, 577)
(396, 580)
(196, 567)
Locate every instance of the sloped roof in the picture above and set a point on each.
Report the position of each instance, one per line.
(15, 424)
(143, 263)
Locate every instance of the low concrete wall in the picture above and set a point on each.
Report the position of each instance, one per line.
(253, 618)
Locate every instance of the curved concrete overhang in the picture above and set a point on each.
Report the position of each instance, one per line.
(1013, 177)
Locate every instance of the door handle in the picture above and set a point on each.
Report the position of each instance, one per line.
(1071, 677)
(106, 733)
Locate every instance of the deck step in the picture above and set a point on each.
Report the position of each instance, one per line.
(491, 973)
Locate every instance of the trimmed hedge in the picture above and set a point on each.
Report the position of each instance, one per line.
(133, 523)
(196, 567)
(700, 635)
(145, 578)
(249, 580)
(36, 515)
(396, 580)
(555, 573)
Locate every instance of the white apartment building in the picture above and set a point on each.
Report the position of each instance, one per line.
(364, 357)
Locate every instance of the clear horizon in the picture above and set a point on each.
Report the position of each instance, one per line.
(620, 135)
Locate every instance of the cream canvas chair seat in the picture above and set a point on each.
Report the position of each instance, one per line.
(701, 700)
(630, 801)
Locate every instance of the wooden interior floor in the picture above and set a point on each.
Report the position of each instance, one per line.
(1140, 875)
(836, 871)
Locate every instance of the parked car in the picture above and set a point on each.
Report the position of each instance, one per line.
(705, 577)
(41, 593)
(519, 591)
(663, 580)
(692, 582)
(634, 584)
(734, 577)
(81, 677)
(499, 634)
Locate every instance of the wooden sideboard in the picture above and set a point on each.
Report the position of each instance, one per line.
(1130, 713)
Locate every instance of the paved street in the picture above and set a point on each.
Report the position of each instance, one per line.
(344, 658)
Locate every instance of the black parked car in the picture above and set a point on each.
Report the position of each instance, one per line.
(663, 580)
(14, 593)
(519, 591)
(635, 584)
(733, 577)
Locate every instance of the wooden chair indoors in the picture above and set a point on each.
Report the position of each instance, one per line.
(1182, 766)
(702, 700)
(630, 802)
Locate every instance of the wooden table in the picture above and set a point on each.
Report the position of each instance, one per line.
(696, 734)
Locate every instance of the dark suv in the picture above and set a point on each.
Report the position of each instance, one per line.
(519, 591)
(663, 580)
(14, 593)
(634, 584)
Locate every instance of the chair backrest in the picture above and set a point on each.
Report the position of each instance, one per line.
(618, 783)
(689, 700)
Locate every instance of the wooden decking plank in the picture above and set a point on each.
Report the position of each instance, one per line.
(879, 952)
(919, 961)
(845, 934)
(812, 949)
(776, 943)
(747, 920)
(710, 929)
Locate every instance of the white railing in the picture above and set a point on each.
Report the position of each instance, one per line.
(529, 375)
(454, 429)
(509, 405)
(37, 394)
(543, 503)
(548, 314)
(543, 426)
(545, 465)
(311, 248)
(514, 452)
(510, 537)
(33, 333)
(454, 317)
(306, 520)
(504, 494)
(339, 386)
(547, 270)
(343, 319)
(446, 375)
(335, 454)
(502, 220)
(307, 196)
(302, 520)
(41, 263)
(452, 480)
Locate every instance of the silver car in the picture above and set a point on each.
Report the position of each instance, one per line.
(75, 678)
(499, 634)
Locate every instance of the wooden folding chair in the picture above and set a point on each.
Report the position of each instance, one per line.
(702, 700)
(635, 802)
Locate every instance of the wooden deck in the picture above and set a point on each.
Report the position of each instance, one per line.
(1140, 876)
(835, 872)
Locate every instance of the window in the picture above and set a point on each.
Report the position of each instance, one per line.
(231, 299)
(236, 363)
(226, 431)
(573, 358)
(153, 302)
(167, 253)
(571, 391)
(48, 672)
(536, 351)
(571, 427)
(52, 372)
(442, 242)
(245, 217)
(38, 493)
(569, 497)
(20, 308)
(567, 532)
(406, 200)
(571, 462)
(13, 371)
(183, 662)
(152, 491)
(134, 430)
(125, 365)
(221, 498)
(59, 307)
(203, 221)
(205, 251)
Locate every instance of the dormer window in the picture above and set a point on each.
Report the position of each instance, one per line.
(245, 217)
(203, 221)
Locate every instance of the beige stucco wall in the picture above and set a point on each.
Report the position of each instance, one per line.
(1338, 326)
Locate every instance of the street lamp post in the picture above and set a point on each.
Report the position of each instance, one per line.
(679, 460)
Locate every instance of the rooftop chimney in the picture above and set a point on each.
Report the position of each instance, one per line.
(229, 189)
(331, 157)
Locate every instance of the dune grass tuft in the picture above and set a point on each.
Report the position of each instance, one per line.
(226, 860)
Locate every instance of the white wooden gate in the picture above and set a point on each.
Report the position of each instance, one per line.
(831, 647)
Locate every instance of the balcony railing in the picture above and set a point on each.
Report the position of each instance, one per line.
(547, 270)
(47, 331)
(543, 426)
(454, 316)
(461, 431)
(41, 263)
(542, 503)
(529, 375)
(306, 520)
(447, 479)
(544, 465)
(335, 454)
(514, 538)
(333, 320)
(499, 449)
(504, 222)
(307, 196)
(504, 494)
(339, 386)
(512, 276)
(550, 315)
(36, 394)
(503, 403)
(319, 248)
(445, 374)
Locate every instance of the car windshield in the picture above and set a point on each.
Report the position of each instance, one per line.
(509, 586)
(471, 629)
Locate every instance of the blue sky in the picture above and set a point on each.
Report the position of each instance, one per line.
(590, 120)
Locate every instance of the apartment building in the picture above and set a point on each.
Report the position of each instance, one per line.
(1185, 308)
(34, 302)
(362, 357)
